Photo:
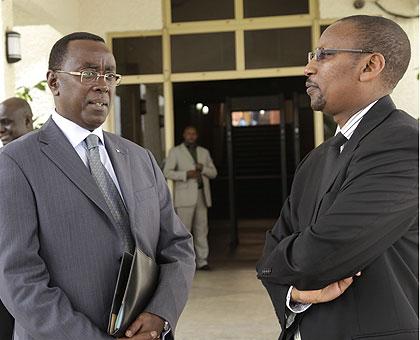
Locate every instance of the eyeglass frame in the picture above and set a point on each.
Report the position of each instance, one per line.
(98, 75)
(331, 51)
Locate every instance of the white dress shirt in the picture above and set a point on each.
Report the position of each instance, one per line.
(76, 136)
(347, 130)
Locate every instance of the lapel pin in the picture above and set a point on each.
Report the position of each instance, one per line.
(118, 150)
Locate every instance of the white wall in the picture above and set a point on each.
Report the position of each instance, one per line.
(36, 44)
(406, 94)
(64, 16)
(7, 71)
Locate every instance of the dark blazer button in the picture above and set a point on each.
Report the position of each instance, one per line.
(266, 271)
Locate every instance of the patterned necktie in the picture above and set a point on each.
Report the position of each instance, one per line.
(109, 190)
(333, 152)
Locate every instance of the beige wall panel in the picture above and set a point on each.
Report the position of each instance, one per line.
(100, 17)
(221, 75)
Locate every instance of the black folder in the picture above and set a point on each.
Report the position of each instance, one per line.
(136, 283)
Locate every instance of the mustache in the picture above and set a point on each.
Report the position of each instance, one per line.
(311, 84)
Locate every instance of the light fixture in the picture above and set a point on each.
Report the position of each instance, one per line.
(13, 54)
(205, 110)
(262, 112)
(199, 106)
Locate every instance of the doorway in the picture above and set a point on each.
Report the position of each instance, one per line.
(257, 131)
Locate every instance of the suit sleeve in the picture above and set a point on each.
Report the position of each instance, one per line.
(170, 169)
(175, 255)
(376, 205)
(277, 291)
(209, 170)
(26, 289)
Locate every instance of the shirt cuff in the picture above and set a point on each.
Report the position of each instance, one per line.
(295, 307)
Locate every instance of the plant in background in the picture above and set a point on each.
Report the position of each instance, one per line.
(24, 93)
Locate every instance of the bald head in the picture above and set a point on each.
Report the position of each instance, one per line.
(15, 119)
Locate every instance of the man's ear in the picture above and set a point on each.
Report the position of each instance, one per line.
(373, 67)
(53, 82)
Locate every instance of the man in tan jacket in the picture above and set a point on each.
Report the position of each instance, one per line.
(190, 167)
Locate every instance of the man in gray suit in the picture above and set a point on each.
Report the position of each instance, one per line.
(61, 242)
(15, 121)
(191, 167)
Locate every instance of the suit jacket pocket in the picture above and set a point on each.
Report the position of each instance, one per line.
(145, 194)
(412, 334)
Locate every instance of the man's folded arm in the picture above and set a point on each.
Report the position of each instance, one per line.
(41, 308)
(375, 207)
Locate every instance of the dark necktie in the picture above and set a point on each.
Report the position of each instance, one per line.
(109, 190)
(193, 151)
(333, 152)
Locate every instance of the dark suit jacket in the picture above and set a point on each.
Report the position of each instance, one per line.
(59, 247)
(365, 218)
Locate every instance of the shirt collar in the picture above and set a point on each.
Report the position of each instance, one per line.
(351, 125)
(75, 133)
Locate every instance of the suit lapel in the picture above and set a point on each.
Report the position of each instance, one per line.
(376, 115)
(185, 151)
(59, 150)
(200, 155)
(121, 163)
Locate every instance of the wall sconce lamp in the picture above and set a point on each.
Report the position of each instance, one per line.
(13, 53)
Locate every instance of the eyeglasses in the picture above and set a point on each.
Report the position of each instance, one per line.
(91, 77)
(321, 53)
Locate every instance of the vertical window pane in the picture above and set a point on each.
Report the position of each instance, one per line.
(142, 55)
(203, 52)
(196, 10)
(266, 8)
(277, 47)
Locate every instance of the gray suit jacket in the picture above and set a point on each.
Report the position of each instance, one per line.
(59, 249)
(177, 164)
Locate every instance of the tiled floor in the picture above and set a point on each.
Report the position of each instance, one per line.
(228, 302)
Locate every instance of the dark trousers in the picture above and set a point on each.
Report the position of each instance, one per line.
(6, 323)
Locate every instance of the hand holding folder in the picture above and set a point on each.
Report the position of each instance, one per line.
(136, 283)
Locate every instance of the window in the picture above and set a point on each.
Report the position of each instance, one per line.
(277, 47)
(265, 8)
(141, 55)
(203, 52)
(196, 10)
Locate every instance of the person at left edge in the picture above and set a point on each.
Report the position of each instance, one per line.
(15, 121)
(60, 247)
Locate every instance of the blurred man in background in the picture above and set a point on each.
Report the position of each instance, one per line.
(190, 167)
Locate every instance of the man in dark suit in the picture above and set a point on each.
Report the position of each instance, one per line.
(341, 262)
(74, 198)
(15, 121)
